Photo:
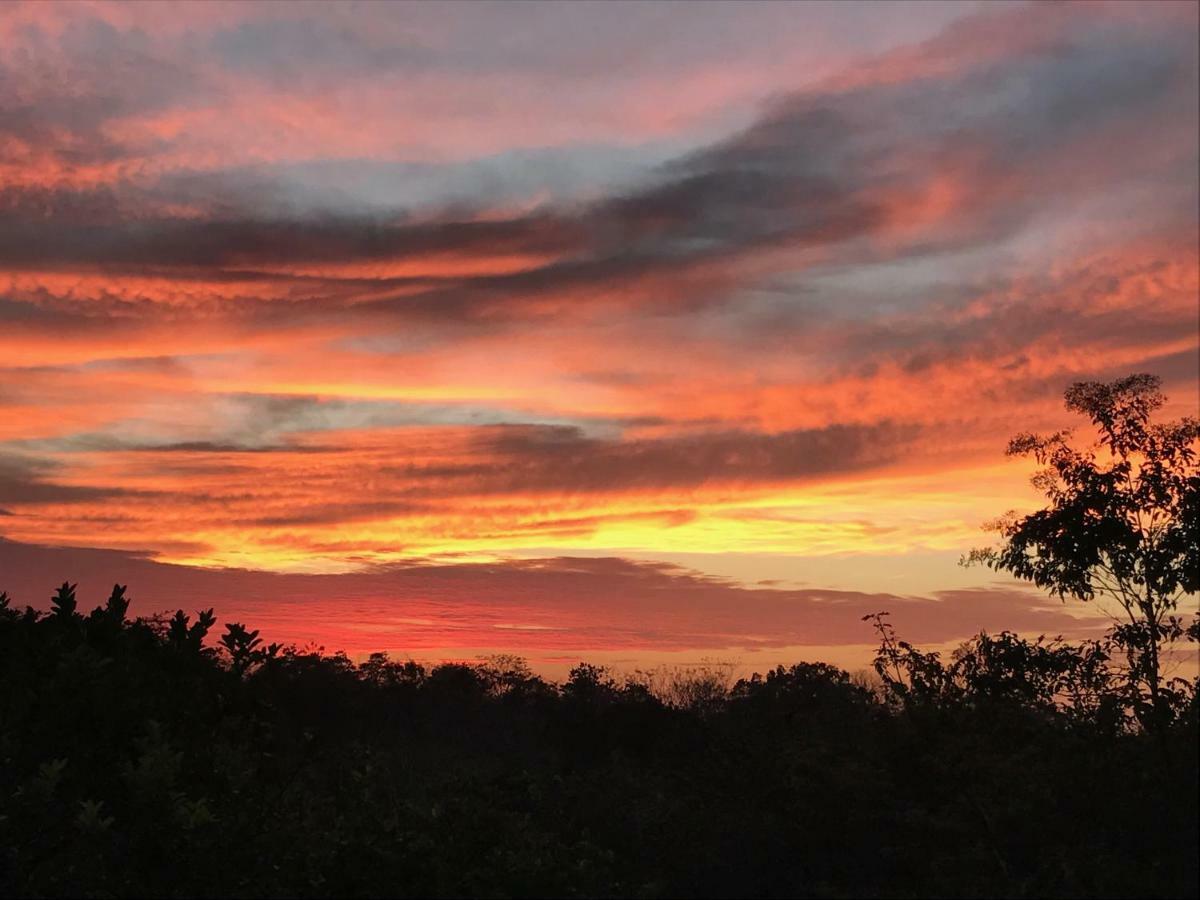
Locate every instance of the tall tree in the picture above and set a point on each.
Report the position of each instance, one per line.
(1122, 523)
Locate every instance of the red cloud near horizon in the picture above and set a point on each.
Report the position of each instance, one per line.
(544, 607)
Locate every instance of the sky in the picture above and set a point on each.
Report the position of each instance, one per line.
(624, 332)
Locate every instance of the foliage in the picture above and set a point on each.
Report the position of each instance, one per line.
(1122, 523)
(146, 758)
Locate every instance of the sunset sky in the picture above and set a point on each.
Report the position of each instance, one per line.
(627, 332)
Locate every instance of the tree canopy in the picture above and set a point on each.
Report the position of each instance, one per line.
(1122, 522)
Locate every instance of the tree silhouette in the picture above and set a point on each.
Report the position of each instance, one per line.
(244, 647)
(63, 603)
(185, 636)
(117, 604)
(1123, 523)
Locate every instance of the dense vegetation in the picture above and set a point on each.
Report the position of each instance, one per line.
(137, 758)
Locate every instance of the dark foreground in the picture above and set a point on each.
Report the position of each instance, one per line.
(135, 759)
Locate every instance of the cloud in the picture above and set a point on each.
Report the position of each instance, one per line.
(23, 482)
(915, 166)
(522, 458)
(867, 278)
(288, 492)
(283, 50)
(536, 605)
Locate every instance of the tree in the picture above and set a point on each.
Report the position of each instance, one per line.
(244, 647)
(63, 603)
(190, 637)
(1122, 523)
(117, 604)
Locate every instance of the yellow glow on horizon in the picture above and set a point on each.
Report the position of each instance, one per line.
(892, 514)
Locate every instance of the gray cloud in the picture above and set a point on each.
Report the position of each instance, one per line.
(815, 171)
(536, 459)
(28, 481)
